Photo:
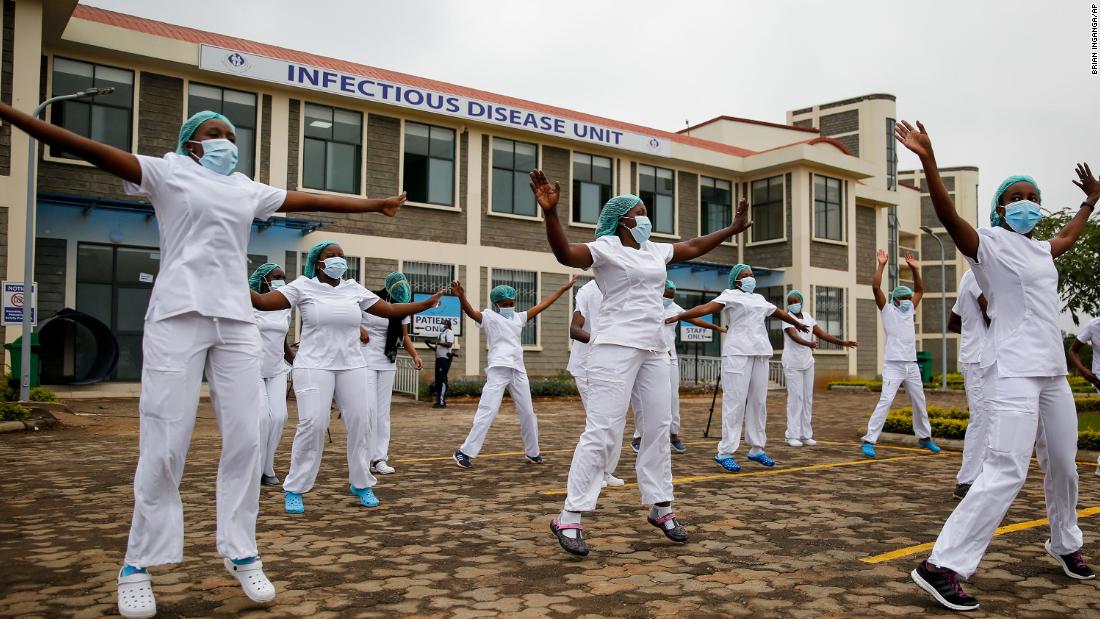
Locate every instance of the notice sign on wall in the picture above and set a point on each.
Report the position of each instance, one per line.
(15, 300)
(429, 323)
(692, 333)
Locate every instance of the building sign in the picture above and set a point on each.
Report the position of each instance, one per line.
(692, 333)
(14, 301)
(298, 75)
(429, 323)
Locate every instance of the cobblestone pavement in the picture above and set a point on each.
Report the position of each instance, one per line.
(787, 541)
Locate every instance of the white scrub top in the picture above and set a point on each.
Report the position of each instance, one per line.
(632, 281)
(973, 322)
(901, 333)
(330, 322)
(747, 331)
(273, 328)
(1020, 282)
(447, 337)
(374, 351)
(670, 330)
(795, 355)
(505, 340)
(205, 220)
(588, 301)
(1090, 335)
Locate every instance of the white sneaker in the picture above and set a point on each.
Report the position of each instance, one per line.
(1098, 470)
(611, 480)
(382, 468)
(809, 442)
(251, 576)
(135, 595)
(793, 442)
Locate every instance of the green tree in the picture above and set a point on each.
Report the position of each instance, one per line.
(1078, 275)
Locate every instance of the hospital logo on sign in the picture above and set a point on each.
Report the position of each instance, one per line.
(654, 144)
(236, 62)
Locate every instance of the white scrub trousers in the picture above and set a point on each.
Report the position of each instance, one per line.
(894, 374)
(744, 402)
(617, 450)
(613, 373)
(674, 393)
(379, 438)
(800, 403)
(1025, 414)
(273, 391)
(497, 379)
(976, 441)
(315, 389)
(176, 352)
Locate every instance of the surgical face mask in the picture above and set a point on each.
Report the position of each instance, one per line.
(666, 302)
(748, 284)
(905, 306)
(795, 308)
(1022, 216)
(642, 228)
(335, 267)
(218, 155)
(276, 284)
(507, 312)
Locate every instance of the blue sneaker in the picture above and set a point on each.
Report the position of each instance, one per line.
(762, 458)
(294, 503)
(868, 450)
(930, 445)
(728, 463)
(366, 496)
(635, 444)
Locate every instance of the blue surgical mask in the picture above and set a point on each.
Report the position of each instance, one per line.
(1023, 215)
(905, 306)
(218, 155)
(666, 302)
(276, 284)
(335, 267)
(748, 284)
(795, 308)
(507, 312)
(642, 228)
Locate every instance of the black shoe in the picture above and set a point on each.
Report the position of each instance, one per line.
(678, 446)
(1072, 564)
(677, 533)
(534, 459)
(462, 460)
(961, 490)
(943, 585)
(438, 405)
(573, 545)
(269, 480)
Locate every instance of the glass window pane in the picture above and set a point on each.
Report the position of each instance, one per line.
(416, 138)
(318, 121)
(94, 263)
(523, 201)
(347, 127)
(502, 191)
(526, 157)
(722, 185)
(601, 170)
(664, 222)
(590, 202)
(416, 176)
(342, 168)
(123, 83)
(111, 125)
(76, 116)
(196, 104)
(236, 97)
(502, 153)
(129, 358)
(205, 92)
(833, 191)
(442, 143)
(132, 263)
(313, 164)
(441, 182)
(95, 300)
(243, 116)
(246, 145)
(132, 303)
(582, 167)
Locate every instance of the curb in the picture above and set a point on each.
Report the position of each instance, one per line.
(41, 417)
(955, 444)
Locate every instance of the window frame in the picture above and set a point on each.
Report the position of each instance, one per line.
(537, 346)
(675, 234)
(843, 209)
(489, 199)
(456, 172)
(302, 150)
(823, 346)
(574, 195)
(257, 128)
(135, 101)
(734, 198)
(891, 156)
(782, 210)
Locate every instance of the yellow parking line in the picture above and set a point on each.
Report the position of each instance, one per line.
(1011, 528)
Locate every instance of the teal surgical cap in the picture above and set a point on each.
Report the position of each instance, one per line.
(901, 291)
(670, 285)
(612, 211)
(501, 293)
(798, 294)
(311, 257)
(398, 287)
(259, 274)
(735, 271)
(994, 216)
(189, 126)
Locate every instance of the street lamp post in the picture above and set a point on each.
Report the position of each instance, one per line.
(28, 249)
(943, 307)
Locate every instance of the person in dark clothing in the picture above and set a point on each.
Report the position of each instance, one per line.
(443, 346)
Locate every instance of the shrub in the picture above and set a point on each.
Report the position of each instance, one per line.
(934, 412)
(1088, 440)
(8, 393)
(1088, 405)
(10, 411)
(41, 394)
(559, 385)
(871, 383)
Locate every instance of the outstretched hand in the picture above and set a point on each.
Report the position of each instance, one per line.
(910, 260)
(882, 257)
(741, 217)
(546, 194)
(850, 344)
(435, 297)
(394, 204)
(1087, 182)
(570, 283)
(916, 140)
(457, 289)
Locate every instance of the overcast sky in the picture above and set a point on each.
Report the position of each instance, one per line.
(1005, 86)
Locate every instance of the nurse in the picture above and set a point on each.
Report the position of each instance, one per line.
(745, 356)
(503, 328)
(969, 319)
(1089, 335)
(276, 357)
(198, 319)
(1028, 399)
(798, 370)
(329, 365)
(900, 362)
(628, 353)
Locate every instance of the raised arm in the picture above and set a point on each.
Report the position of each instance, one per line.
(696, 312)
(460, 292)
(269, 301)
(574, 255)
(385, 309)
(1067, 236)
(107, 158)
(298, 201)
(962, 233)
(782, 314)
(876, 282)
(823, 335)
(691, 249)
(576, 328)
(410, 348)
(548, 301)
(918, 282)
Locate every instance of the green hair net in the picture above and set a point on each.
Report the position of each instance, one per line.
(187, 129)
(994, 216)
(612, 211)
(901, 291)
(259, 274)
(735, 271)
(501, 293)
(670, 285)
(801, 299)
(398, 287)
(311, 257)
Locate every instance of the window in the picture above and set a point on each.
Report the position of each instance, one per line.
(828, 209)
(891, 156)
(240, 108)
(655, 188)
(332, 151)
(430, 164)
(715, 204)
(777, 296)
(581, 281)
(591, 186)
(526, 284)
(767, 209)
(512, 161)
(688, 299)
(106, 118)
(829, 305)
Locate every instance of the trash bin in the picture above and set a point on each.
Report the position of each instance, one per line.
(16, 351)
(924, 362)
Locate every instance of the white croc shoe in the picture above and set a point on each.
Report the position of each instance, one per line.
(135, 596)
(383, 468)
(251, 576)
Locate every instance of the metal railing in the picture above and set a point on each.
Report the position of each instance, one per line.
(407, 380)
(706, 370)
(775, 374)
